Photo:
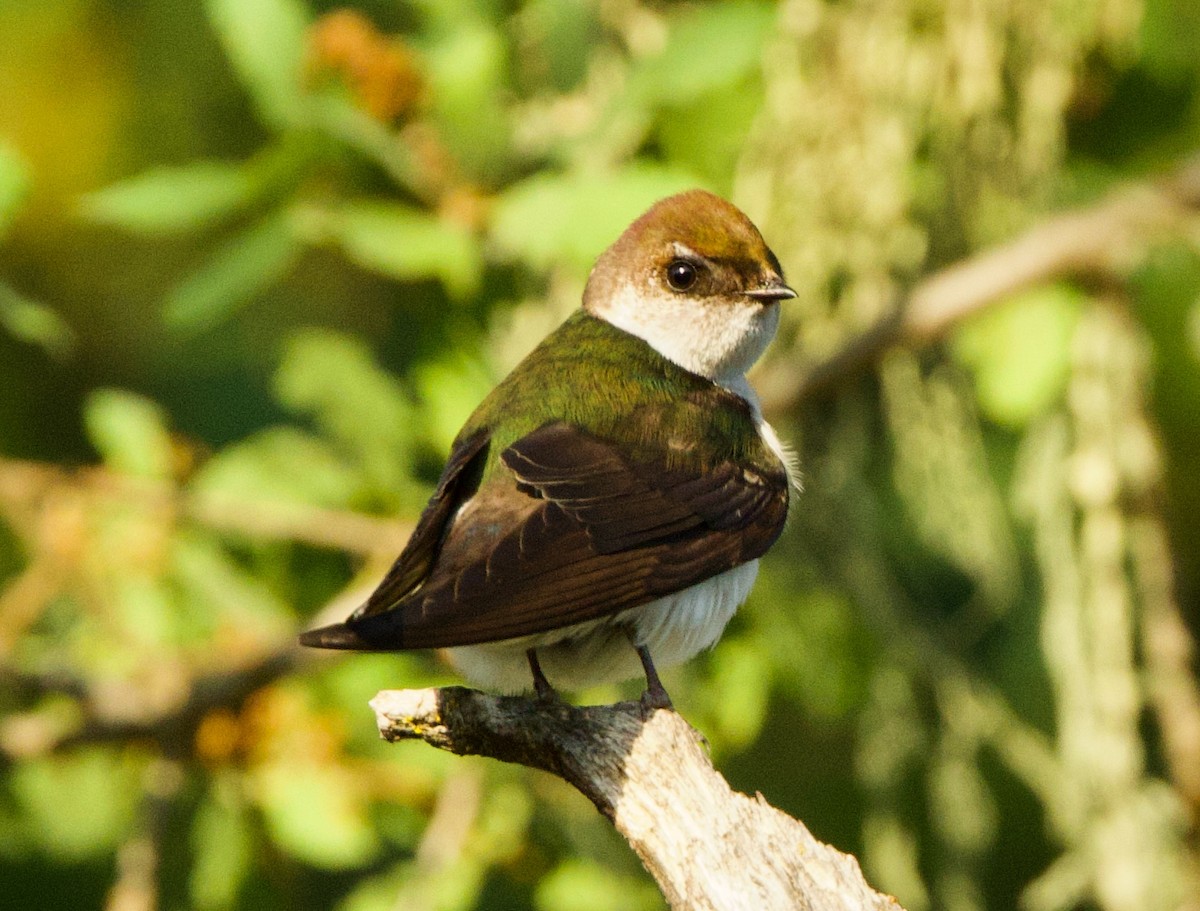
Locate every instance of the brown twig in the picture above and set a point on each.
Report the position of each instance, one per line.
(708, 846)
(25, 485)
(173, 729)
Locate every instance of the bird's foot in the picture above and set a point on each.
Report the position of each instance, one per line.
(656, 696)
(541, 685)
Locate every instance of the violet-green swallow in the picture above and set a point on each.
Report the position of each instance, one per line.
(609, 500)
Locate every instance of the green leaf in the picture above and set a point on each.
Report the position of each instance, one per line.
(172, 199)
(14, 184)
(378, 893)
(279, 464)
(709, 47)
(265, 41)
(1193, 329)
(35, 323)
(209, 580)
(583, 885)
(743, 681)
(571, 218)
(129, 431)
(467, 69)
(145, 609)
(317, 814)
(450, 390)
(78, 806)
(1019, 352)
(234, 275)
(335, 379)
(707, 134)
(404, 243)
(221, 850)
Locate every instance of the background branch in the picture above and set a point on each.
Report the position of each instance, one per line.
(25, 486)
(708, 846)
(1093, 239)
(116, 717)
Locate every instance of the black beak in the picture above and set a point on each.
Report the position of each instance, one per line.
(774, 290)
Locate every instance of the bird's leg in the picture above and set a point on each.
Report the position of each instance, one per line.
(540, 684)
(655, 696)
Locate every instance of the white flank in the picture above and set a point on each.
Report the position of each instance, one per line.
(674, 628)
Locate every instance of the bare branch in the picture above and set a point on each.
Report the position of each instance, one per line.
(22, 736)
(1090, 240)
(708, 846)
(24, 487)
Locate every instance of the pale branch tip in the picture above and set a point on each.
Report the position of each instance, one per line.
(709, 847)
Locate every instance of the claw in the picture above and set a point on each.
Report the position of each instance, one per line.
(655, 696)
(540, 684)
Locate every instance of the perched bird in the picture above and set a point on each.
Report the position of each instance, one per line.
(609, 500)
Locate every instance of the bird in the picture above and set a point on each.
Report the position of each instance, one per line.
(603, 511)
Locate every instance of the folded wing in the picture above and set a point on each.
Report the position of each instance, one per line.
(584, 532)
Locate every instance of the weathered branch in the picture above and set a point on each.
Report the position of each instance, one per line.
(1090, 240)
(26, 486)
(709, 847)
(118, 718)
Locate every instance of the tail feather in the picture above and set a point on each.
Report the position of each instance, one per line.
(340, 636)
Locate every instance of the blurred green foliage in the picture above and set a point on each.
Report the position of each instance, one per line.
(260, 258)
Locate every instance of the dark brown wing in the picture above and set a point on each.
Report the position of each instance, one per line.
(588, 534)
(420, 553)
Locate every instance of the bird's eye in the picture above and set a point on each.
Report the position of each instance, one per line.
(681, 274)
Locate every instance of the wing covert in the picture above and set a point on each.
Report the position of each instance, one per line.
(581, 532)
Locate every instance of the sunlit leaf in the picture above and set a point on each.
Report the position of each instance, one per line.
(709, 47)
(234, 275)
(14, 184)
(743, 682)
(504, 821)
(708, 133)
(316, 813)
(569, 219)
(279, 464)
(406, 243)
(214, 580)
(580, 884)
(129, 431)
(378, 893)
(962, 804)
(77, 806)
(221, 843)
(146, 610)
(1019, 352)
(1193, 329)
(265, 41)
(35, 323)
(172, 198)
(450, 389)
(467, 67)
(334, 378)
(813, 640)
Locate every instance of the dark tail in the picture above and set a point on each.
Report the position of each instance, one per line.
(339, 635)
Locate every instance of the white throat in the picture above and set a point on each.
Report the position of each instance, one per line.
(718, 339)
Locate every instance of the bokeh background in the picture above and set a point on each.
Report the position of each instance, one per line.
(259, 258)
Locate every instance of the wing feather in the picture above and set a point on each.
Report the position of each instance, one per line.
(579, 532)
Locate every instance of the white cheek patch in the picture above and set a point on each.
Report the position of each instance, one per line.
(715, 339)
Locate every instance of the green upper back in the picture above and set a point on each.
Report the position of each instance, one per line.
(617, 387)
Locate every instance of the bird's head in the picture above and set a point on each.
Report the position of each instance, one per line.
(694, 279)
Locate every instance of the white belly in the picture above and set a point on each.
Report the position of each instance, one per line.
(674, 628)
